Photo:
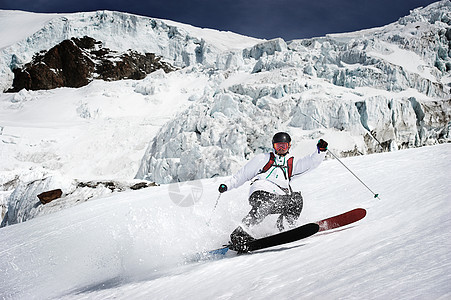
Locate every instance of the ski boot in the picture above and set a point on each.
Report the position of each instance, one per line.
(239, 239)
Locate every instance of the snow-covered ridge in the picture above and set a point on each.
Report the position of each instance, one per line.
(179, 44)
(24, 204)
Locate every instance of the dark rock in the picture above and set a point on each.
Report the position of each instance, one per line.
(115, 186)
(49, 196)
(76, 62)
(95, 184)
(142, 185)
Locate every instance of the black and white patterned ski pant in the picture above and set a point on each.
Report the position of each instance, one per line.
(264, 203)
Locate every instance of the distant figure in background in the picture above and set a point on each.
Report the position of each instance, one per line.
(270, 191)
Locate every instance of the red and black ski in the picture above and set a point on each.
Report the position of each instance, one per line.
(281, 238)
(285, 237)
(344, 219)
(295, 234)
(307, 230)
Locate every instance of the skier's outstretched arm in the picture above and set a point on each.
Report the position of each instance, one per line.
(310, 162)
(246, 173)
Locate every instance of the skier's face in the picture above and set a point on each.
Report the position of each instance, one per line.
(281, 148)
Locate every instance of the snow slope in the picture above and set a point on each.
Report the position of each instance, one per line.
(18, 25)
(136, 244)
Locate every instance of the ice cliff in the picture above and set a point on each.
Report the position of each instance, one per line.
(383, 89)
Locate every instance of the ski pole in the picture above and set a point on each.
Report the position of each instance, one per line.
(214, 208)
(374, 194)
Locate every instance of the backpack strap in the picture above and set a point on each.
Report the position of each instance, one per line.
(290, 167)
(269, 164)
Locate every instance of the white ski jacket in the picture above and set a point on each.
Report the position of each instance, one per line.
(273, 180)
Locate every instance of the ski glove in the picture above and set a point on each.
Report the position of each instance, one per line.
(322, 145)
(222, 188)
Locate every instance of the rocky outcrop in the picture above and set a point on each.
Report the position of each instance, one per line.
(57, 192)
(76, 62)
(49, 196)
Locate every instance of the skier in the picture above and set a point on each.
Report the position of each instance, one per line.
(270, 191)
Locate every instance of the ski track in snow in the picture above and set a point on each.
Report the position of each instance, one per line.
(136, 244)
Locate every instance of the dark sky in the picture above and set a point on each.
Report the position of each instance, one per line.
(289, 19)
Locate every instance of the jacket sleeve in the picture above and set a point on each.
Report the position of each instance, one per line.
(248, 171)
(308, 163)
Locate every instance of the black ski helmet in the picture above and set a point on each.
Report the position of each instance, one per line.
(281, 137)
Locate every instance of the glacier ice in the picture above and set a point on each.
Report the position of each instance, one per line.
(376, 84)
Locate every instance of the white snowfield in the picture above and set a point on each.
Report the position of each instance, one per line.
(382, 88)
(136, 245)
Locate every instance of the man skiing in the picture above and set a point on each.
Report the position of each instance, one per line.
(270, 191)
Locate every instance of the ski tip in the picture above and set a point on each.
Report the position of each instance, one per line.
(209, 255)
(343, 219)
(221, 251)
(362, 210)
(359, 213)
